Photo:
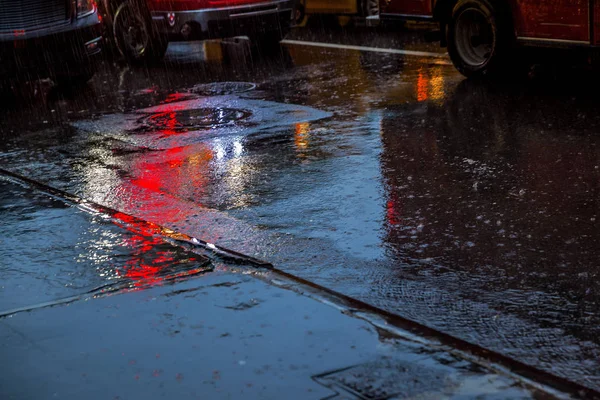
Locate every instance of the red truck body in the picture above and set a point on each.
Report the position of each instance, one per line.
(482, 35)
(534, 20)
(188, 5)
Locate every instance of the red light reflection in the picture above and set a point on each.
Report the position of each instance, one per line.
(175, 97)
(422, 86)
(148, 265)
(393, 210)
(166, 119)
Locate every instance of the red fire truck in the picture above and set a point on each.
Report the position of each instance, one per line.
(481, 35)
(142, 29)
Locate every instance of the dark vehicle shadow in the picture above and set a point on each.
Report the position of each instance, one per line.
(556, 96)
(487, 120)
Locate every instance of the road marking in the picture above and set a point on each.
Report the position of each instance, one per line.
(365, 48)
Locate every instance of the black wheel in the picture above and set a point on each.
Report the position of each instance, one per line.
(480, 38)
(134, 36)
(369, 8)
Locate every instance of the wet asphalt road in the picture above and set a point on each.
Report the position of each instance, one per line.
(469, 207)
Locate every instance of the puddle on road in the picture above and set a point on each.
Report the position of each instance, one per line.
(55, 251)
(199, 120)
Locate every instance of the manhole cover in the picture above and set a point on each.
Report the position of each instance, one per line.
(385, 379)
(197, 118)
(222, 88)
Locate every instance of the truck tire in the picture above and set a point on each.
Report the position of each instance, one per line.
(480, 38)
(134, 35)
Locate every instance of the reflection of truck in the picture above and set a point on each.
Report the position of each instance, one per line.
(142, 29)
(482, 34)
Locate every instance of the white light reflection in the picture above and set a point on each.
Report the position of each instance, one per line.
(232, 169)
(238, 149)
(219, 150)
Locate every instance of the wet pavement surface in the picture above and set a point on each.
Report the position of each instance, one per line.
(465, 206)
(164, 321)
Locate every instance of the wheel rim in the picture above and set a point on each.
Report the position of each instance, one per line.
(299, 14)
(131, 29)
(475, 39)
(372, 8)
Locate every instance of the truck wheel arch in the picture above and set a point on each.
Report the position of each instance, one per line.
(442, 12)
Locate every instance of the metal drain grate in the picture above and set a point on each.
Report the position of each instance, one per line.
(195, 119)
(388, 378)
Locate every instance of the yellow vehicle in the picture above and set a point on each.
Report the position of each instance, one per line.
(345, 9)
